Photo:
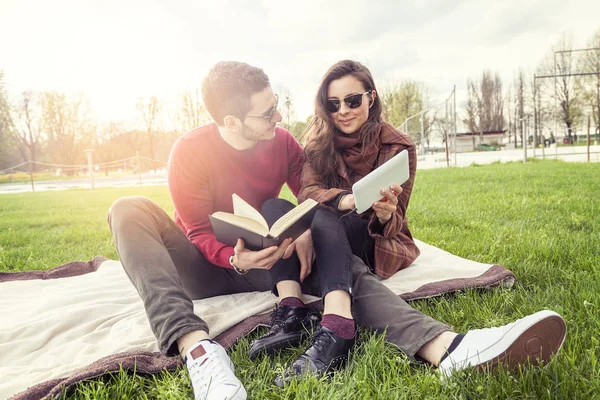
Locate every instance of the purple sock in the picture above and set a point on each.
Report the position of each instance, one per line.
(343, 327)
(292, 302)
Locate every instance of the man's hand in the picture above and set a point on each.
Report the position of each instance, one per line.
(347, 203)
(304, 248)
(385, 207)
(264, 259)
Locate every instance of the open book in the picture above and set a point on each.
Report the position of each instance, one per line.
(247, 223)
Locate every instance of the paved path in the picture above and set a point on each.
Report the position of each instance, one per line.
(571, 154)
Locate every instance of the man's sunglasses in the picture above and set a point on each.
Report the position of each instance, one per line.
(267, 115)
(352, 101)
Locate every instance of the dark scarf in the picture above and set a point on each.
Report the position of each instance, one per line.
(359, 159)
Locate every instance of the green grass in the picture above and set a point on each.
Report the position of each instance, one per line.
(541, 220)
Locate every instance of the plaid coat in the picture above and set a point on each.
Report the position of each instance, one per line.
(395, 248)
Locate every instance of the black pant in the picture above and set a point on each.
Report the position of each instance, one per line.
(169, 272)
(335, 240)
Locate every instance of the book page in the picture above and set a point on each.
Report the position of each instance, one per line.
(242, 222)
(291, 217)
(243, 209)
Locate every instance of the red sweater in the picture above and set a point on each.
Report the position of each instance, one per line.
(204, 171)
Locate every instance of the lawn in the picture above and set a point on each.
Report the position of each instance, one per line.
(541, 220)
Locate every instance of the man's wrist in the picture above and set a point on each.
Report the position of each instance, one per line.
(235, 267)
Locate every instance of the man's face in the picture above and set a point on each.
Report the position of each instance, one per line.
(257, 124)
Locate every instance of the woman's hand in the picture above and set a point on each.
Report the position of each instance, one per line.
(347, 203)
(305, 251)
(385, 207)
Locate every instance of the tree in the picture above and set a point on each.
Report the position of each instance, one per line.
(69, 127)
(287, 111)
(520, 106)
(403, 100)
(28, 127)
(485, 104)
(298, 128)
(6, 127)
(560, 61)
(590, 62)
(106, 149)
(149, 111)
(192, 113)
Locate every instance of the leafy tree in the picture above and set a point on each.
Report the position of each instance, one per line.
(403, 100)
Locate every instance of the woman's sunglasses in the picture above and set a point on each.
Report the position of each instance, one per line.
(352, 101)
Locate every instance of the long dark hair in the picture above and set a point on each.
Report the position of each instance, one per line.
(318, 136)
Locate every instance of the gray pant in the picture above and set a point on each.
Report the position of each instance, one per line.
(169, 272)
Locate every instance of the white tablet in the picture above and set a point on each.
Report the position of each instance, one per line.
(368, 190)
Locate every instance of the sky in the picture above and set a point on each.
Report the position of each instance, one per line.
(115, 51)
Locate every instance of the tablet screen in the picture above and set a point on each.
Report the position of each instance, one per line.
(368, 189)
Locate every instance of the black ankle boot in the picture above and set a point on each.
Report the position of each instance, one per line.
(327, 353)
(289, 326)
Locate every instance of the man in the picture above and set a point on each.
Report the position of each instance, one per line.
(172, 263)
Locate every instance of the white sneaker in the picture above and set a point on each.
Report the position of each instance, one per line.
(211, 372)
(533, 340)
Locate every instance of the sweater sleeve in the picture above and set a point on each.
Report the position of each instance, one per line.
(191, 194)
(314, 188)
(295, 161)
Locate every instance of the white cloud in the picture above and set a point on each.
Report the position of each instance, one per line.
(116, 51)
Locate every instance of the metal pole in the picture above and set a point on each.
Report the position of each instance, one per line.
(588, 141)
(455, 148)
(31, 175)
(446, 130)
(523, 125)
(543, 147)
(422, 133)
(554, 110)
(534, 132)
(139, 167)
(90, 167)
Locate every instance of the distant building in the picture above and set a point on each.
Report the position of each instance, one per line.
(469, 141)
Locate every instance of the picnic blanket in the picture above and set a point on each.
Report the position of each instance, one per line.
(84, 319)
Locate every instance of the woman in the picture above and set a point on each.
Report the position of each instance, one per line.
(346, 140)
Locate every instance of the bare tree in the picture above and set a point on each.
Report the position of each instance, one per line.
(485, 104)
(6, 126)
(68, 125)
(193, 113)
(288, 113)
(106, 149)
(28, 126)
(520, 106)
(590, 62)
(149, 111)
(565, 91)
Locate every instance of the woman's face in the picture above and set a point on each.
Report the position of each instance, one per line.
(349, 120)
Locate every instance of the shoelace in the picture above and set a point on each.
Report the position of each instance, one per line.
(320, 338)
(212, 367)
(277, 316)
